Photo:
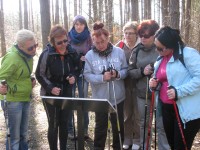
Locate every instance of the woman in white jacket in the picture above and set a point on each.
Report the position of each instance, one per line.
(177, 73)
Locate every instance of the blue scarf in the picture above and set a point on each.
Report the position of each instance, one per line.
(77, 38)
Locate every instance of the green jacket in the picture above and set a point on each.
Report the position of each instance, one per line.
(15, 71)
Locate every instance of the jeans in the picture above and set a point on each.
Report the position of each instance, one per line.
(82, 92)
(18, 118)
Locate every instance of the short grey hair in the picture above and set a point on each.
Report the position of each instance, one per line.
(24, 35)
(130, 25)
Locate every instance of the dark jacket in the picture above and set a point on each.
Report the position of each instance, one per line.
(52, 70)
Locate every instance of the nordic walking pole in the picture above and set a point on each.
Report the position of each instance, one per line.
(150, 121)
(109, 127)
(117, 116)
(3, 82)
(155, 121)
(179, 121)
(73, 121)
(145, 113)
(108, 95)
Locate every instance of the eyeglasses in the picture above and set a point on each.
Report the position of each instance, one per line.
(146, 36)
(32, 47)
(61, 42)
(129, 33)
(160, 49)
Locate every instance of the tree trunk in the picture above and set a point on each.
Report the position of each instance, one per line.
(52, 11)
(134, 12)
(57, 15)
(75, 7)
(80, 7)
(165, 12)
(100, 4)
(142, 9)
(65, 15)
(3, 41)
(174, 14)
(45, 20)
(25, 15)
(95, 14)
(20, 15)
(147, 9)
(121, 18)
(182, 27)
(187, 21)
(31, 15)
(110, 19)
(126, 11)
(90, 13)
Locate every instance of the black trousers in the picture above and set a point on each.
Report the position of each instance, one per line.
(173, 131)
(101, 128)
(57, 120)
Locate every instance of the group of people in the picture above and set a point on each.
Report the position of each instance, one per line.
(148, 60)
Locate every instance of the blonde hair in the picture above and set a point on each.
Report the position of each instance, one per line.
(130, 25)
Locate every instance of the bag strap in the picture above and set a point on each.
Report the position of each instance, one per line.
(27, 65)
(121, 44)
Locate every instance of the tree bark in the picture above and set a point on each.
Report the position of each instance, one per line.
(187, 21)
(65, 15)
(134, 14)
(2, 32)
(165, 12)
(25, 15)
(57, 15)
(174, 13)
(20, 15)
(95, 14)
(75, 7)
(45, 20)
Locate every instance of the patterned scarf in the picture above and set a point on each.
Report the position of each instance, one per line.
(104, 53)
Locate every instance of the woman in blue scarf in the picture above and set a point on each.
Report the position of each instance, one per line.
(80, 40)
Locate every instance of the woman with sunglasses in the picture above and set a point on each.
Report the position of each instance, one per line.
(141, 68)
(56, 71)
(177, 82)
(16, 69)
(80, 40)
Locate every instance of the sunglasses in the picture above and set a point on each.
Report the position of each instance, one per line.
(61, 42)
(160, 49)
(146, 36)
(32, 47)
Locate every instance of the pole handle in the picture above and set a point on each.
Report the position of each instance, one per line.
(3, 82)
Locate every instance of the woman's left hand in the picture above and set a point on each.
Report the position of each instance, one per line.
(71, 79)
(171, 93)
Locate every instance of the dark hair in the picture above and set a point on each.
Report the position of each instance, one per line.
(150, 26)
(80, 19)
(56, 31)
(98, 30)
(170, 38)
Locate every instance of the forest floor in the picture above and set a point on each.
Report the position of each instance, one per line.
(38, 127)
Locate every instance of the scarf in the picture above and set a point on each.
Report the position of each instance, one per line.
(104, 53)
(23, 53)
(77, 38)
